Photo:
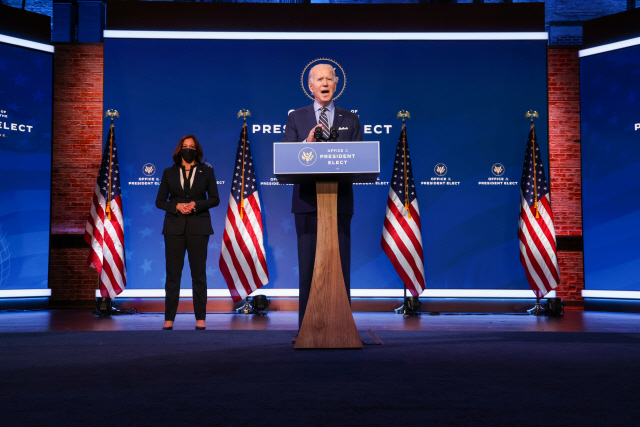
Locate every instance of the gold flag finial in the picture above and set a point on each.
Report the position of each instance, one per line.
(112, 114)
(404, 114)
(244, 114)
(532, 114)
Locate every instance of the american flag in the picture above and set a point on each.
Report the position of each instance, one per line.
(104, 231)
(401, 234)
(242, 259)
(535, 228)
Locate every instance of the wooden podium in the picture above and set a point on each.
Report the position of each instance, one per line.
(328, 321)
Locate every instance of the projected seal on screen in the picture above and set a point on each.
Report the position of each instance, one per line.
(341, 77)
(149, 169)
(497, 169)
(307, 156)
(440, 169)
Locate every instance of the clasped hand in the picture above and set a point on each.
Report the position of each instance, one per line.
(186, 208)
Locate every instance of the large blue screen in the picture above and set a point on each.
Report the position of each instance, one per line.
(610, 113)
(467, 100)
(26, 82)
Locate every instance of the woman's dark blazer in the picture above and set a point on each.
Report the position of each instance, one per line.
(171, 193)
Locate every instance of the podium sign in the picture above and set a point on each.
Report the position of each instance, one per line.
(296, 162)
(328, 321)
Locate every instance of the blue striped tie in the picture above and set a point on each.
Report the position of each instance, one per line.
(325, 123)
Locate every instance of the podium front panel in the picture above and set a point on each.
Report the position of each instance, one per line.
(295, 162)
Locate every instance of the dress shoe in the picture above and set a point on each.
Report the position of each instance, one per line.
(167, 328)
(200, 328)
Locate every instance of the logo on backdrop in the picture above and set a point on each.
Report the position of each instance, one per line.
(340, 76)
(440, 169)
(149, 169)
(307, 156)
(497, 169)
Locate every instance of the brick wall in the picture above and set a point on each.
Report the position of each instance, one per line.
(565, 163)
(71, 278)
(77, 133)
(77, 147)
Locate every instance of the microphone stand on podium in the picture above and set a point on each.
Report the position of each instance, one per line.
(328, 321)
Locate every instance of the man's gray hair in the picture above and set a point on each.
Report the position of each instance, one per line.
(333, 70)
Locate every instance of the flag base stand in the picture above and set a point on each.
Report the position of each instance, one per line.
(411, 307)
(106, 307)
(246, 309)
(537, 310)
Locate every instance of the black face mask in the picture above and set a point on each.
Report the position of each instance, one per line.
(188, 154)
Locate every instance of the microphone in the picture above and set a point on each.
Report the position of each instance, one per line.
(317, 134)
(333, 133)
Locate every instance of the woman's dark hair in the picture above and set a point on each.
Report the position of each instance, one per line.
(177, 158)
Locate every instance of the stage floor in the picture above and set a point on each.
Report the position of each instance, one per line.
(69, 367)
(84, 320)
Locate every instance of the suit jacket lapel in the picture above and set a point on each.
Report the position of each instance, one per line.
(337, 117)
(311, 118)
(198, 175)
(175, 178)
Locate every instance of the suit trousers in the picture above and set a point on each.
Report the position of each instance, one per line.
(174, 250)
(307, 232)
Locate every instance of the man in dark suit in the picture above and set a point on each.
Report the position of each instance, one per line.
(300, 128)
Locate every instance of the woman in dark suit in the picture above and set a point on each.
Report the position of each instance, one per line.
(187, 191)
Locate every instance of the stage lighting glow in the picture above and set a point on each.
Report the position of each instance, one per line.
(25, 293)
(588, 293)
(609, 47)
(234, 35)
(355, 293)
(26, 43)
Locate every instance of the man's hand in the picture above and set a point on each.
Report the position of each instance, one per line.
(312, 138)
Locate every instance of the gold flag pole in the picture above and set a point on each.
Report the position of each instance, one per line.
(537, 310)
(112, 114)
(405, 115)
(531, 114)
(246, 309)
(243, 114)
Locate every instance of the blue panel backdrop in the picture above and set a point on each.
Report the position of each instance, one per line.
(25, 171)
(467, 101)
(609, 88)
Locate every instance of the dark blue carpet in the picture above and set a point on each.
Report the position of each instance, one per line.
(237, 378)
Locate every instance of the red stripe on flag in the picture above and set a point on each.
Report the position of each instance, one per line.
(106, 270)
(246, 253)
(405, 227)
(415, 216)
(229, 279)
(247, 223)
(545, 229)
(539, 294)
(417, 272)
(399, 268)
(115, 224)
(538, 243)
(535, 264)
(236, 265)
(117, 259)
